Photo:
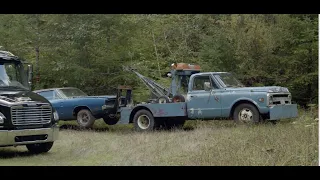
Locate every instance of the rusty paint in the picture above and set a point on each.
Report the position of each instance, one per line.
(185, 66)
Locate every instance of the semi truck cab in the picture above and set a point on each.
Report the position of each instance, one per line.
(26, 118)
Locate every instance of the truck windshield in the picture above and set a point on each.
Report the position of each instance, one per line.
(12, 75)
(228, 80)
(72, 92)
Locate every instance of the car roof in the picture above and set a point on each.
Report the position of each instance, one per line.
(51, 89)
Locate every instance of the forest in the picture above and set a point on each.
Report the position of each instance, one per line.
(89, 51)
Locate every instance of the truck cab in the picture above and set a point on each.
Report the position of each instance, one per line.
(26, 118)
(220, 95)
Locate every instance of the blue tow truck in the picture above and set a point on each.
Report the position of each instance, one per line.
(202, 95)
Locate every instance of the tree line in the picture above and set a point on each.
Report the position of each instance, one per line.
(88, 50)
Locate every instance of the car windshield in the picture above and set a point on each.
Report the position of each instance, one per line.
(72, 92)
(12, 75)
(228, 80)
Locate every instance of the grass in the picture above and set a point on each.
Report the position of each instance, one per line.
(217, 143)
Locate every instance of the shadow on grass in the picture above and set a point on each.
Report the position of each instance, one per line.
(9, 153)
(78, 128)
(113, 129)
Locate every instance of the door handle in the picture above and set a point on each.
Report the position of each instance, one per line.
(193, 96)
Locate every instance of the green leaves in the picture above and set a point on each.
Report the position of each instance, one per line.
(88, 51)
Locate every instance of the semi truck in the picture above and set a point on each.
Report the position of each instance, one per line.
(202, 95)
(26, 118)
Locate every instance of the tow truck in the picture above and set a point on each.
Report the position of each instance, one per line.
(202, 95)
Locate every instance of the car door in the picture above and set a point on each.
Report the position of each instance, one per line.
(202, 104)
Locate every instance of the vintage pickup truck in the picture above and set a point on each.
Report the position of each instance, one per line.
(72, 103)
(205, 95)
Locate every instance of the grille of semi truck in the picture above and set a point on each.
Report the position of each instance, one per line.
(31, 115)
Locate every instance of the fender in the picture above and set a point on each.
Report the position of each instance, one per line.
(226, 111)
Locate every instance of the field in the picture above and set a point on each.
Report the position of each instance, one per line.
(215, 143)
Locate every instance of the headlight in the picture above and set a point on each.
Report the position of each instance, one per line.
(2, 118)
(55, 116)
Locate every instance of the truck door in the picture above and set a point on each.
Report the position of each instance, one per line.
(202, 104)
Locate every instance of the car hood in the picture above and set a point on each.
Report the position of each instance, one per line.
(95, 97)
(8, 98)
(270, 89)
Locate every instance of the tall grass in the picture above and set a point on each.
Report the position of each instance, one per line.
(217, 143)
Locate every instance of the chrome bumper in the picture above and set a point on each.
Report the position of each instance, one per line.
(9, 137)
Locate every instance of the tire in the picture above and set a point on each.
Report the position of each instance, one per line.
(174, 123)
(40, 147)
(246, 113)
(163, 99)
(85, 118)
(178, 98)
(143, 120)
(110, 121)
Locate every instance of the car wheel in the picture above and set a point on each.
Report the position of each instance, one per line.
(85, 118)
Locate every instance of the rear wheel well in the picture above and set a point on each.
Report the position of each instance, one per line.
(136, 110)
(79, 108)
(241, 102)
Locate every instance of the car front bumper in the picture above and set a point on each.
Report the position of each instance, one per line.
(283, 111)
(28, 136)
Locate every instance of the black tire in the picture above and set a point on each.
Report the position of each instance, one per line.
(85, 118)
(39, 147)
(178, 98)
(110, 120)
(163, 99)
(174, 123)
(144, 115)
(248, 112)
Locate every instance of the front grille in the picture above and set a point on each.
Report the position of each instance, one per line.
(31, 115)
(278, 99)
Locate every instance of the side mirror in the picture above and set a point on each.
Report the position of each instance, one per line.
(30, 73)
(207, 86)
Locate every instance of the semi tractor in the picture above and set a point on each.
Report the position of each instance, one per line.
(26, 118)
(202, 95)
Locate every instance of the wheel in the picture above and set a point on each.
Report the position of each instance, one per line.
(40, 147)
(178, 98)
(110, 120)
(172, 123)
(246, 113)
(85, 118)
(163, 99)
(144, 121)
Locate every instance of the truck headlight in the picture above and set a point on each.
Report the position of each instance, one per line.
(55, 116)
(2, 118)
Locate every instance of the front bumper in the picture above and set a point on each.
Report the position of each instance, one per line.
(283, 111)
(28, 136)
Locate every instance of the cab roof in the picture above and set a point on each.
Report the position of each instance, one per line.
(8, 56)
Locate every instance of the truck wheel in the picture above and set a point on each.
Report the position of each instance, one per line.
(163, 99)
(144, 121)
(246, 113)
(40, 147)
(85, 118)
(110, 120)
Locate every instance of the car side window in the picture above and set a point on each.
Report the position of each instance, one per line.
(48, 94)
(198, 82)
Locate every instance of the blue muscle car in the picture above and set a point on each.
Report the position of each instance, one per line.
(72, 103)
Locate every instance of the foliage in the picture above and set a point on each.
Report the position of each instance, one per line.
(88, 51)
